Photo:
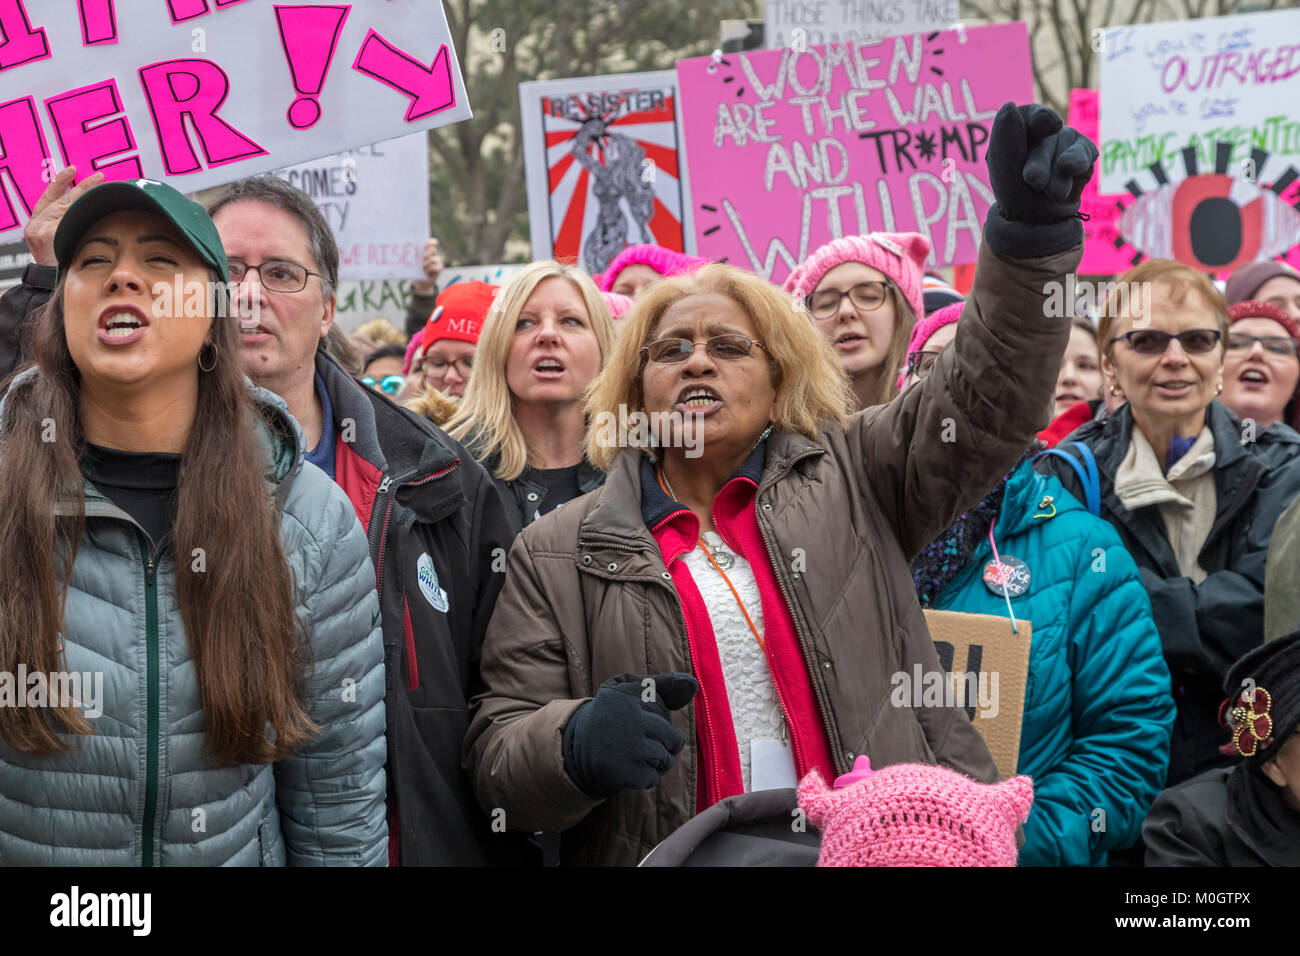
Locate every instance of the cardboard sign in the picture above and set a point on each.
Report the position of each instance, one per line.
(1100, 252)
(1198, 128)
(601, 158)
(200, 93)
(984, 646)
(807, 22)
(789, 149)
(376, 201)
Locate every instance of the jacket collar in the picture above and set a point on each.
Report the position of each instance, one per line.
(401, 444)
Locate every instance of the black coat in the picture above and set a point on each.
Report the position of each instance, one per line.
(1224, 817)
(524, 494)
(16, 305)
(1203, 627)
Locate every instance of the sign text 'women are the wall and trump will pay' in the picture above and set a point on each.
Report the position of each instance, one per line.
(201, 92)
(790, 148)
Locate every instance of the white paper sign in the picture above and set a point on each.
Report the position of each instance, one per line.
(201, 92)
(376, 200)
(803, 23)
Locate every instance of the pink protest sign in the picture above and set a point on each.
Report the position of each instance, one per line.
(787, 149)
(1099, 233)
(200, 92)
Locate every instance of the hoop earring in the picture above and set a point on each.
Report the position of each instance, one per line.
(208, 368)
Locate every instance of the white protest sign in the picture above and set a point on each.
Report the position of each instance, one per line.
(803, 23)
(1198, 83)
(198, 93)
(376, 200)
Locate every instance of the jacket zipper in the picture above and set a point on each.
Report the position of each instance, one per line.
(778, 567)
(261, 860)
(151, 750)
(384, 485)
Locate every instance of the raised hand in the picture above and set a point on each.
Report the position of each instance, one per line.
(54, 202)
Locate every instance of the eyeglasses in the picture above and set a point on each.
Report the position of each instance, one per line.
(726, 348)
(1154, 342)
(389, 384)
(277, 275)
(920, 363)
(463, 367)
(865, 297)
(1277, 344)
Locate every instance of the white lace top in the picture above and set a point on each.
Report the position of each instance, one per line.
(755, 707)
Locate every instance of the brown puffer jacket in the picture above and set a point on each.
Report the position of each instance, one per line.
(587, 595)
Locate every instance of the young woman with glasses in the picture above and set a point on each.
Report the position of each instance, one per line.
(864, 293)
(1193, 492)
(1261, 370)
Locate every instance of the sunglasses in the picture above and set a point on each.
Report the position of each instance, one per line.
(1277, 344)
(865, 297)
(726, 348)
(1154, 342)
(389, 384)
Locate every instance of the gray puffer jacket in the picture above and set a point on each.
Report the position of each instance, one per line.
(139, 791)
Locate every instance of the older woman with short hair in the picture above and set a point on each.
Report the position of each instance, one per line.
(754, 545)
(1193, 496)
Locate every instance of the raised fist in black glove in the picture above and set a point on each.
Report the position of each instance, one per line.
(622, 738)
(1037, 168)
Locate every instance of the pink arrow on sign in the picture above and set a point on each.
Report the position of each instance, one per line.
(429, 87)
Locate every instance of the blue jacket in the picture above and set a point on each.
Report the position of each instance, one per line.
(1098, 708)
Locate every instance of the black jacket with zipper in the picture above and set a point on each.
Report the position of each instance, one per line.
(525, 494)
(438, 533)
(1203, 627)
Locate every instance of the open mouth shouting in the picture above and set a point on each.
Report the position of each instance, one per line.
(548, 368)
(849, 341)
(698, 400)
(121, 325)
(1254, 379)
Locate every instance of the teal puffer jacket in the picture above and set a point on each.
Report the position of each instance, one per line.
(1099, 712)
(139, 790)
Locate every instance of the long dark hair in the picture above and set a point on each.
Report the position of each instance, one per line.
(237, 604)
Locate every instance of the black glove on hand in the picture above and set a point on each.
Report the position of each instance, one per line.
(618, 740)
(1037, 168)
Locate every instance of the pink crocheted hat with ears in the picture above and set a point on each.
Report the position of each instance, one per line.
(899, 255)
(666, 262)
(926, 327)
(618, 304)
(915, 815)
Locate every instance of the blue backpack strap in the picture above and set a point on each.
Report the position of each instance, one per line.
(1089, 478)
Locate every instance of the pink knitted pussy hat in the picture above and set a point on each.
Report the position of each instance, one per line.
(926, 327)
(618, 304)
(899, 255)
(915, 815)
(666, 262)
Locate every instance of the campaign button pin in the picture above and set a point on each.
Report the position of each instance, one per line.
(1012, 573)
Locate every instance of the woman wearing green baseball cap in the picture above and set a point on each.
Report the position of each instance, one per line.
(190, 667)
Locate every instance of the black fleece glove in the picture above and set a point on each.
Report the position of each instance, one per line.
(618, 740)
(1037, 168)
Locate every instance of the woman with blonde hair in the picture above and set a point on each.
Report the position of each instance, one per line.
(545, 338)
(748, 550)
(1193, 492)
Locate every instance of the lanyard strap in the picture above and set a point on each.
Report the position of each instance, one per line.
(709, 554)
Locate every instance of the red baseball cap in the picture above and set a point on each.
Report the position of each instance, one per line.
(460, 313)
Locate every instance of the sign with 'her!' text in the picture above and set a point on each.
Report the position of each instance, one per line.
(201, 92)
(788, 149)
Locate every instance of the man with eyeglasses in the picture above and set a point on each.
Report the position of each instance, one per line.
(435, 521)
